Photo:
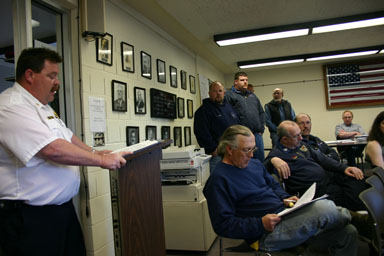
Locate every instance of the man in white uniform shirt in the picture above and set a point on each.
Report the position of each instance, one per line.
(37, 158)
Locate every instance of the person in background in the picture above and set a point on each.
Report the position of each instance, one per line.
(244, 199)
(251, 88)
(374, 151)
(348, 130)
(211, 119)
(249, 110)
(299, 166)
(276, 111)
(38, 155)
(305, 124)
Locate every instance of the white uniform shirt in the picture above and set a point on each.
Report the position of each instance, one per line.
(27, 126)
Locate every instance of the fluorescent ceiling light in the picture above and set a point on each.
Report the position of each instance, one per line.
(264, 37)
(349, 25)
(345, 55)
(271, 63)
(382, 51)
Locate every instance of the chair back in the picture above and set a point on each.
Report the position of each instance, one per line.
(374, 201)
(376, 182)
(379, 172)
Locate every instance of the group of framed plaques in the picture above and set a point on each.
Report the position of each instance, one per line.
(104, 54)
(133, 134)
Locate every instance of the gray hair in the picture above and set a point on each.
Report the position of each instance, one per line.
(282, 128)
(229, 137)
(302, 114)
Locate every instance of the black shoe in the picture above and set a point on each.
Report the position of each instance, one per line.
(363, 224)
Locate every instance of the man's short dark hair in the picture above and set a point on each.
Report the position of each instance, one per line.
(239, 74)
(34, 59)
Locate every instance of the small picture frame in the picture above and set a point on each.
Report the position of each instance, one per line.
(161, 74)
(150, 132)
(183, 79)
(190, 108)
(146, 65)
(177, 137)
(187, 135)
(173, 76)
(119, 96)
(104, 49)
(192, 84)
(140, 101)
(180, 107)
(132, 135)
(165, 132)
(127, 57)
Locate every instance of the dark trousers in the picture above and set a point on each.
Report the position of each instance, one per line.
(51, 230)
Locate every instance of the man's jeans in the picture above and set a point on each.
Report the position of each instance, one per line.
(322, 225)
(259, 153)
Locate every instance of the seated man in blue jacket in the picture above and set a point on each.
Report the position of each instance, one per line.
(300, 165)
(243, 202)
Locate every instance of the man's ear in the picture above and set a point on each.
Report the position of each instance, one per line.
(29, 75)
(228, 148)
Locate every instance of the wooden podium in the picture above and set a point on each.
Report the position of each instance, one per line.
(137, 210)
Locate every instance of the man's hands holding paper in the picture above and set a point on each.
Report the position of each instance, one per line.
(270, 221)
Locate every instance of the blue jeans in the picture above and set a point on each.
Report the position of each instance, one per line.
(259, 153)
(322, 225)
(213, 162)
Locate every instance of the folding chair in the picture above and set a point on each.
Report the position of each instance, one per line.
(379, 172)
(374, 201)
(376, 182)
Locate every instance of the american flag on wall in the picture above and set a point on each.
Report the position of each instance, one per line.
(355, 84)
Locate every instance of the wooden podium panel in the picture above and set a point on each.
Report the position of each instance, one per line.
(137, 209)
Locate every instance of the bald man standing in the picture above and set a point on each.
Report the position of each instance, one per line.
(276, 111)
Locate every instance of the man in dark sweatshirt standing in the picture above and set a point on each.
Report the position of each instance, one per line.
(211, 120)
(276, 111)
(249, 110)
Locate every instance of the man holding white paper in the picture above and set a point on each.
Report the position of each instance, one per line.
(244, 201)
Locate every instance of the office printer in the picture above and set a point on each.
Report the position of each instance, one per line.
(184, 172)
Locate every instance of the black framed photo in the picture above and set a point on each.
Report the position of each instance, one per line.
(146, 65)
(140, 101)
(104, 49)
(161, 75)
(165, 132)
(127, 57)
(190, 108)
(173, 76)
(192, 84)
(183, 79)
(180, 107)
(132, 135)
(187, 135)
(119, 96)
(177, 137)
(150, 132)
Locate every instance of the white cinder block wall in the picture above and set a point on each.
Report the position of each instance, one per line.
(304, 87)
(126, 25)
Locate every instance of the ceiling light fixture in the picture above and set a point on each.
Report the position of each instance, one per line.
(311, 57)
(345, 55)
(300, 29)
(271, 63)
(349, 25)
(264, 37)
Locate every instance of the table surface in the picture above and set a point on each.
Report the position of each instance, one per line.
(337, 143)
